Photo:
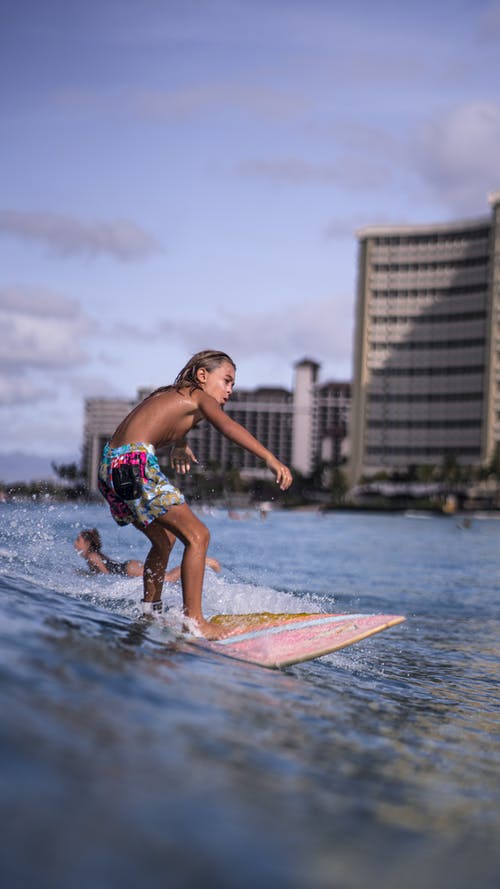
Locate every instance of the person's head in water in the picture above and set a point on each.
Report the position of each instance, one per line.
(89, 539)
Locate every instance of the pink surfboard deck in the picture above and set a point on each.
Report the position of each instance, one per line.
(279, 640)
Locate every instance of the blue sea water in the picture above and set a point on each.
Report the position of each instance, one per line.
(130, 758)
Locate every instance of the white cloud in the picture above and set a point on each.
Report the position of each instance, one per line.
(37, 302)
(66, 236)
(292, 170)
(42, 331)
(44, 338)
(319, 328)
(262, 101)
(457, 155)
(54, 433)
(350, 170)
(20, 391)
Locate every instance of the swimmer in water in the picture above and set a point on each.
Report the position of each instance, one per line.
(88, 545)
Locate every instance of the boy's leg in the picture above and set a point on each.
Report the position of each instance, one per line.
(195, 536)
(156, 560)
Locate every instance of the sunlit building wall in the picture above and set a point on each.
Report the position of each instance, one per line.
(426, 345)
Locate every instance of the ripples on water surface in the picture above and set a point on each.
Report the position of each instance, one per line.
(131, 759)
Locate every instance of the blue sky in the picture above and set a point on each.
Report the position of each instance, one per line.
(187, 175)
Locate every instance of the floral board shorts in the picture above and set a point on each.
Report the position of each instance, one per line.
(136, 489)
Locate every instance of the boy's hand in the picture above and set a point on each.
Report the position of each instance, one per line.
(283, 475)
(181, 457)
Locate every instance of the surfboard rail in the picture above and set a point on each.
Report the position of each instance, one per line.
(279, 640)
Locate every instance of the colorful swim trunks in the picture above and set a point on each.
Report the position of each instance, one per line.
(131, 480)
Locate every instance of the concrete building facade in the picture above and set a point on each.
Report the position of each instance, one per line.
(305, 446)
(426, 365)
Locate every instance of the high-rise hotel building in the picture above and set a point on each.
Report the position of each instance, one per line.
(426, 364)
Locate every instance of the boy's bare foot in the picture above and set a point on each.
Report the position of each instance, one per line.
(204, 628)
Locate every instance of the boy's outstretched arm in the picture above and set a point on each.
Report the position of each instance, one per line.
(213, 412)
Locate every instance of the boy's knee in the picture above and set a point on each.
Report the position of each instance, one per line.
(201, 537)
(205, 536)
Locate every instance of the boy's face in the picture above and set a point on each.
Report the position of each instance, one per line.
(218, 383)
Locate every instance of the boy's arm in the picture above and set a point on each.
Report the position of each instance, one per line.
(213, 412)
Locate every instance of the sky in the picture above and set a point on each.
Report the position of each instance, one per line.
(185, 175)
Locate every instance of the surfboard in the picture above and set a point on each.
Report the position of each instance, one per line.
(280, 640)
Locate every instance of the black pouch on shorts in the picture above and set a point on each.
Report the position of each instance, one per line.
(127, 481)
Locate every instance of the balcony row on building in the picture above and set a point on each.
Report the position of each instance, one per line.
(427, 339)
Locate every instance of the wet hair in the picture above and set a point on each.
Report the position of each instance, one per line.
(210, 359)
(92, 536)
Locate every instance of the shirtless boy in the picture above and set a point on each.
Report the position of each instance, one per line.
(137, 491)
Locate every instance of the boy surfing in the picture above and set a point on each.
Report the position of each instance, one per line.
(139, 493)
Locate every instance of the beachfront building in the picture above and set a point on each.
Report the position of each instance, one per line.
(303, 427)
(265, 412)
(305, 441)
(426, 365)
(101, 417)
(333, 405)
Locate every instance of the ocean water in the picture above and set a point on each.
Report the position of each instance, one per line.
(130, 758)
